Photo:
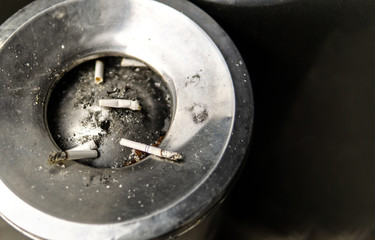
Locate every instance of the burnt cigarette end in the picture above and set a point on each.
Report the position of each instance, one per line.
(56, 157)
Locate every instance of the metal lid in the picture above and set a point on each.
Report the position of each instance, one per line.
(205, 74)
(243, 3)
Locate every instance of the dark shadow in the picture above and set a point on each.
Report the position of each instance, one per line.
(309, 172)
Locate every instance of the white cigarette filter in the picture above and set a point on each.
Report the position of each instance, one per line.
(90, 145)
(120, 103)
(99, 71)
(151, 150)
(81, 154)
(128, 62)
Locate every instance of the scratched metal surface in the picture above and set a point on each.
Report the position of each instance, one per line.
(9, 7)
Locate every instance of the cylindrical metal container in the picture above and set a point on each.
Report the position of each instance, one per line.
(210, 125)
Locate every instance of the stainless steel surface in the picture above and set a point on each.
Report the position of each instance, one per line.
(9, 233)
(242, 3)
(206, 75)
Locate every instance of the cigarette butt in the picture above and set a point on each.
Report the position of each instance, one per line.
(81, 154)
(128, 62)
(99, 71)
(69, 155)
(90, 145)
(120, 103)
(151, 150)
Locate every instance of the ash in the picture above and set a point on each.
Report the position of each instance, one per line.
(74, 115)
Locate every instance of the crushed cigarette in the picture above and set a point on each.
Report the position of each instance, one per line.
(120, 103)
(70, 155)
(99, 71)
(127, 62)
(174, 156)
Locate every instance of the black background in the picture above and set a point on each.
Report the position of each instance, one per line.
(310, 173)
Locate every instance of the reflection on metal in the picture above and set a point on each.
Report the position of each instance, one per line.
(243, 3)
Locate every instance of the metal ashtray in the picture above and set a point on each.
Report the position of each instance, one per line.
(210, 119)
